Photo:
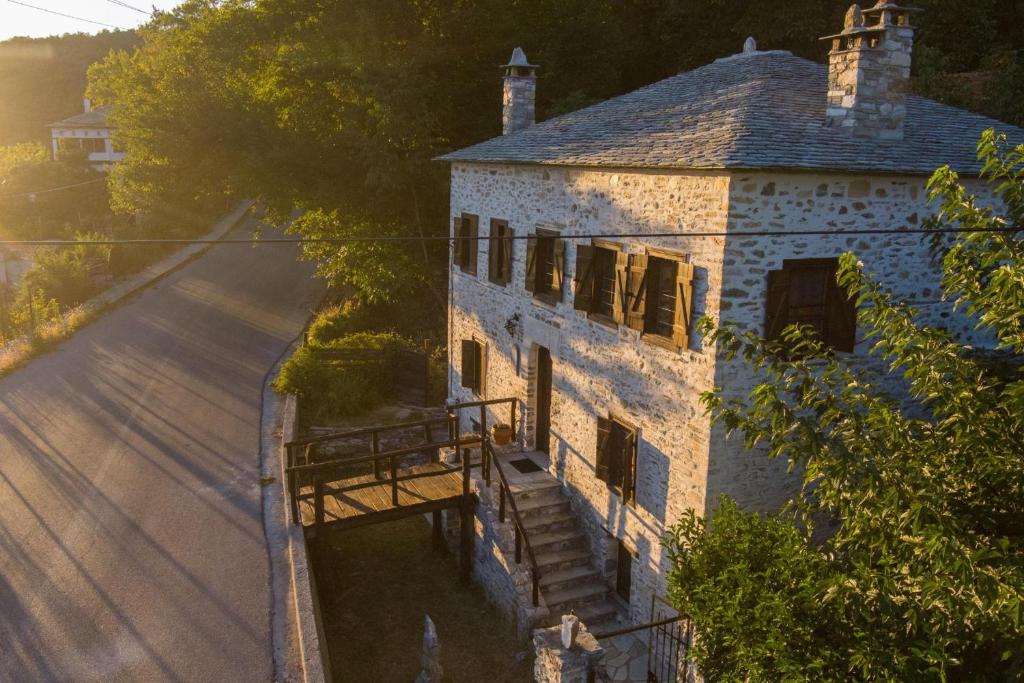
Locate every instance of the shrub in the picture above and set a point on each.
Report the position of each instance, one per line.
(334, 388)
(754, 586)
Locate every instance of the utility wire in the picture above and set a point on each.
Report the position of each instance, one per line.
(52, 189)
(68, 16)
(126, 5)
(441, 238)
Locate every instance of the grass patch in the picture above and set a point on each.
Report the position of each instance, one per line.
(377, 582)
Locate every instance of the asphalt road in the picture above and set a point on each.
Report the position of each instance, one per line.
(131, 537)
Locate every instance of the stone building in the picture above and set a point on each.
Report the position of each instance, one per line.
(88, 131)
(595, 336)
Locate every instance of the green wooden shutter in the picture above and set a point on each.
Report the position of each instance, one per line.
(684, 304)
(531, 263)
(620, 299)
(636, 291)
(558, 270)
(777, 307)
(604, 435)
(470, 369)
(583, 292)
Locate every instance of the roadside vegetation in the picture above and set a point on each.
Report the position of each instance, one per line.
(920, 575)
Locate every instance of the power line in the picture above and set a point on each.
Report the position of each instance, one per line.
(126, 5)
(442, 238)
(52, 189)
(68, 16)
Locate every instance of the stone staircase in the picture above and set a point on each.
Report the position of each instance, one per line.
(569, 580)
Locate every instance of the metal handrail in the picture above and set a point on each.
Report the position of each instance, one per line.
(520, 529)
(365, 430)
(640, 627)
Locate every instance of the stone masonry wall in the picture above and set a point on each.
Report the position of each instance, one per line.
(601, 370)
(777, 201)
(597, 370)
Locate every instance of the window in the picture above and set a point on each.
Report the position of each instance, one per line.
(601, 270)
(499, 254)
(659, 298)
(472, 365)
(805, 292)
(616, 457)
(466, 230)
(545, 265)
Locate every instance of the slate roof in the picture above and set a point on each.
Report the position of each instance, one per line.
(764, 110)
(97, 118)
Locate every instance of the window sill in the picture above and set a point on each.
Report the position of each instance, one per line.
(603, 320)
(660, 341)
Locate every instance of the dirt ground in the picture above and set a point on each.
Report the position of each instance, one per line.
(376, 583)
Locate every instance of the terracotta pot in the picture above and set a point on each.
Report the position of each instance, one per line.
(502, 435)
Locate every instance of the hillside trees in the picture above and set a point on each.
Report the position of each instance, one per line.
(923, 575)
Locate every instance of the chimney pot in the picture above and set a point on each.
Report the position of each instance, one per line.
(519, 97)
(86, 105)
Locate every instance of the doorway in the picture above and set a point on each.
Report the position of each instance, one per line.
(543, 394)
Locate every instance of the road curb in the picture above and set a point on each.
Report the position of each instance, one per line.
(296, 626)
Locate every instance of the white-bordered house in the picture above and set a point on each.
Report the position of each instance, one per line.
(88, 131)
(595, 337)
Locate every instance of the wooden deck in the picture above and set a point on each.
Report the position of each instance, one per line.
(366, 500)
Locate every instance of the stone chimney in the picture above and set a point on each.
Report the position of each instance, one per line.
(519, 99)
(869, 72)
(86, 105)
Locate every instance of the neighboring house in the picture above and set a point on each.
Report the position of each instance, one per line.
(596, 337)
(88, 131)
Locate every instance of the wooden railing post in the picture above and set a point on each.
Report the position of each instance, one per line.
(294, 493)
(536, 592)
(318, 501)
(375, 448)
(394, 480)
(483, 420)
(501, 503)
(465, 470)
(512, 418)
(519, 544)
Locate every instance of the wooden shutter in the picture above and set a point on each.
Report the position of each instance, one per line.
(558, 270)
(636, 293)
(620, 301)
(506, 253)
(583, 292)
(840, 317)
(470, 364)
(531, 263)
(684, 305)
(629, 467)
(604, 437)
(472, 228)
(777, 307)
(497, 257)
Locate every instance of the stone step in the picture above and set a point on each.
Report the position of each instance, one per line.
(567, 578)
(583, 593)
(540, 506)
(539, 524)
(549, 490)
(600, 613)
(560, 539)
(561, 559)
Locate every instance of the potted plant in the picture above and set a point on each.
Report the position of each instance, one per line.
(502, 434)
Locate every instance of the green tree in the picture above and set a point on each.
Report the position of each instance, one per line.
(923, 492)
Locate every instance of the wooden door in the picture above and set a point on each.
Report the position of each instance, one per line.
(543, 394)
